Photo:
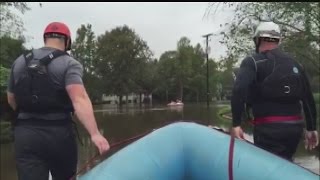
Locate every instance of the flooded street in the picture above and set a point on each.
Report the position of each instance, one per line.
(118, 125)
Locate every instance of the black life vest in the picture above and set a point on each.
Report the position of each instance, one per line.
(35, 92)
(279, 78)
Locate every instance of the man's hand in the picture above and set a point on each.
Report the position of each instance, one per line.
(311, 140)
(101, 143)
(237, 132)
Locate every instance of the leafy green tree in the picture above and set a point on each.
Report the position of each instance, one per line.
(4, 75)
(184, 64)
(146, 78)
(166, 71)
(182, 73)
(298, 20)
(121, 54)
(11, 23)
(197, 81)
(11, 46)
(84, 50)
(10, 49)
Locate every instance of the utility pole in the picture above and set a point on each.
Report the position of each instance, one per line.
(207, 53)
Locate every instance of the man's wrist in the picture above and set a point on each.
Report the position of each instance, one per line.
(311, 129)
(94, 133)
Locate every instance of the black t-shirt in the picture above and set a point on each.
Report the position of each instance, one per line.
(244, 92)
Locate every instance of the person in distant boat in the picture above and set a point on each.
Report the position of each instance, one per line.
(275, 86)
(45, 88)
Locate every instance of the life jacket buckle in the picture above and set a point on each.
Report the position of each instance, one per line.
(287, 89)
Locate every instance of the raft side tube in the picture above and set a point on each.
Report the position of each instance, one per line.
(186, 150)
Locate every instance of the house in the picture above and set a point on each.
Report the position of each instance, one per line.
(130, 99)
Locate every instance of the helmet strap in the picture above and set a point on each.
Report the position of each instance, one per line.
(257, 42)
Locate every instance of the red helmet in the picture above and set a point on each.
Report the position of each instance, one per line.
(60, 29)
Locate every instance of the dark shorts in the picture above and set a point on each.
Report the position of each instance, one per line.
(278, 138)
(40, 148)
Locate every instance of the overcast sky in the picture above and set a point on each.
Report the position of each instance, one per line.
(161, 25)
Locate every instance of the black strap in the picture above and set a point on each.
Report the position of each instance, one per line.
(45, 60)
(28, 57)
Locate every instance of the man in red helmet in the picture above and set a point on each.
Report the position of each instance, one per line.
(45, 88)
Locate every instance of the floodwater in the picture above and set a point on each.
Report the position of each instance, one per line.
(120, 124)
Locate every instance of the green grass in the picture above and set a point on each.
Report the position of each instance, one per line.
(223, 111)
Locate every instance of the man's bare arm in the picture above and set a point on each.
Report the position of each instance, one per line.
(84, 111)
(83, 107)
(11, 100)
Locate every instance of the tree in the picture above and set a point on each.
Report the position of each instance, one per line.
(10, 49)
(182, 73)
(197, 80)
(4, 75)
(184, 58)
(11, 39)
(167, 76)
(11, 23)
(121, 54)
(11, 46)
(146, 78)
(84, 50)
(298, 20)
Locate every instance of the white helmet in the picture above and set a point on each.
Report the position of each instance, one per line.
(268, 30)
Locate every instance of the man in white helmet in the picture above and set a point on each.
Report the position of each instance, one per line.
(275, 86)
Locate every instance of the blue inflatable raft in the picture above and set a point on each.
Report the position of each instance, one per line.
(191, 151)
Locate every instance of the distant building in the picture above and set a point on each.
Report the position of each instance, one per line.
(130, 99)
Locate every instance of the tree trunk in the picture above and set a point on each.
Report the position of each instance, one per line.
(167, 98)
(140, 101)
(120, 100)
(181, 90)
(197, 96)
(126, 99)
(151, 99)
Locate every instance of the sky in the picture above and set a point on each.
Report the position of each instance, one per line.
(160, 24)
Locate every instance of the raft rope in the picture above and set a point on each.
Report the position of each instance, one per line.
(97, 155)
(230, 163)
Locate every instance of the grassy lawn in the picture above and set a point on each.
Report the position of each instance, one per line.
(224, 113)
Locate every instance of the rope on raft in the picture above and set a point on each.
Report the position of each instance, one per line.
(114, 145)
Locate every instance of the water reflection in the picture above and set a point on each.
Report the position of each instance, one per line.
(176, 108)
(119, 124)
(8, 166)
